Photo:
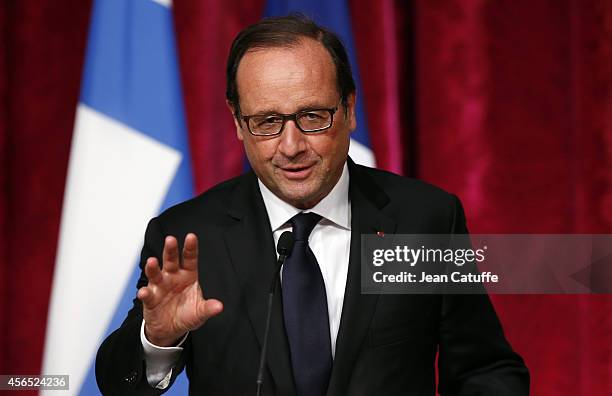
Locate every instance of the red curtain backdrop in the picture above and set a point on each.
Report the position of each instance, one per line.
(44, 47)
(515, 117)
(3, 180)
(205, 30)
(506, 103)
(383, 29)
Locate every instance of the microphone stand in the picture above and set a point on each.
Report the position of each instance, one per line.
(285, 245)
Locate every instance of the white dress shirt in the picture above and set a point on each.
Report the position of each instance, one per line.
(330, 242)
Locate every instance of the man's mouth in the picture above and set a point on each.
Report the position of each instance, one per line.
(297, 172)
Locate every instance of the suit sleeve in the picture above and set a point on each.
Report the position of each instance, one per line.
(474, 356)
(120, 364)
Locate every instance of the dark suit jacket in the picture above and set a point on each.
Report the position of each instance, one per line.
(386, 344)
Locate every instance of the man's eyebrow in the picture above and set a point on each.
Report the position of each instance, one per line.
(305, 107)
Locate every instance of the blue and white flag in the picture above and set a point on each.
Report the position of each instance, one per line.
(334, 15)
(129, 159)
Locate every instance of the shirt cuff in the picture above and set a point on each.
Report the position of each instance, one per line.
(159, 360)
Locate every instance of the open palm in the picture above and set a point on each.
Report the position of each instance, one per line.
(173, 303)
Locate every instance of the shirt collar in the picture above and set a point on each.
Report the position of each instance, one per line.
(334, 207)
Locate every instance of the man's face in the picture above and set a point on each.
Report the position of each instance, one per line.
(300, 169)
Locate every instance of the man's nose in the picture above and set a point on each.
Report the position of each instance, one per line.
(292, 140)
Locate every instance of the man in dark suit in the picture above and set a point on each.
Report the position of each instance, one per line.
(292, 96)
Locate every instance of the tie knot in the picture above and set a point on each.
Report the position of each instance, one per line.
(302, 224)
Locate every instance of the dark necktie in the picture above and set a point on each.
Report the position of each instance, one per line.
(305, 312)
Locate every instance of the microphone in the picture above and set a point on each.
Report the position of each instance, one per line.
(283, 248)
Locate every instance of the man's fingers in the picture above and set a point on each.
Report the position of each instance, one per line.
(153, 271)
(190, 252)
(145, 295)
(171, 255)
(209, 308)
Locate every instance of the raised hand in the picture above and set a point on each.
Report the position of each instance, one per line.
(172, 301)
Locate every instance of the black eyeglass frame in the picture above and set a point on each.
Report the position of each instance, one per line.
(293, 117)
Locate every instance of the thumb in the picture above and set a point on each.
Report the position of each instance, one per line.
(209, 308)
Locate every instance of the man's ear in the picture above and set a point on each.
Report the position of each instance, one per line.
(237, 122)
(351, 117)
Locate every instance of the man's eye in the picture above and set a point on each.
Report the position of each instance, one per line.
(268, 120)
(273, 119)
(312, 116)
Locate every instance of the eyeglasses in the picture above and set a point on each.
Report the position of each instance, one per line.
(308, 121)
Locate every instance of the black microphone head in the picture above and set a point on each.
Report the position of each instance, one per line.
(285, 243)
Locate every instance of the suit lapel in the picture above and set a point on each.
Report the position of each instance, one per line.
(367, 201)
(251, 248)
